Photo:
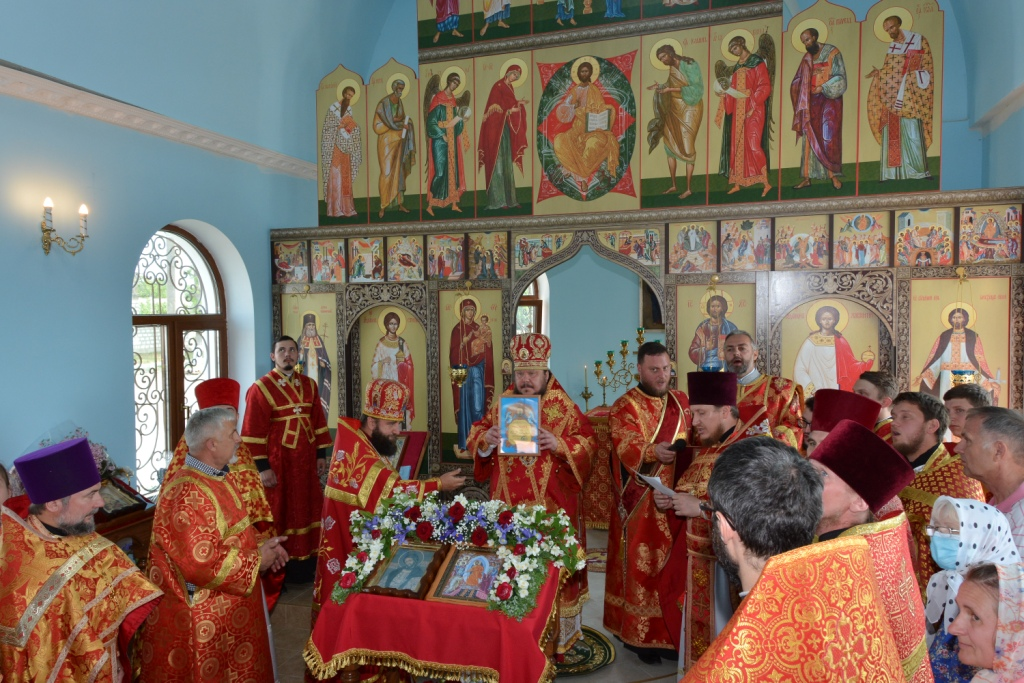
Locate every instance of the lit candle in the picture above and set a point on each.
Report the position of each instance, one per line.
(585, 379)
(83, 214)
(48, 212)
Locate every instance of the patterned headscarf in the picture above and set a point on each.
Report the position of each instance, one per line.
(984, 538)
(1009, 661)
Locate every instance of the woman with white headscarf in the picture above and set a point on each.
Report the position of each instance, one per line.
(963, 533)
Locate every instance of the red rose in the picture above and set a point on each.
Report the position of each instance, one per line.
(375, 534)
(519, 549)
(348, 579)
(456, 512)
(511, 572)
(504, 591)
(413, 513)
(505, 518)
(424, 530)
(479, 536)
(362, 556)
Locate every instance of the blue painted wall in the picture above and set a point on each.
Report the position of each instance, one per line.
(594, 304)
(246, 69)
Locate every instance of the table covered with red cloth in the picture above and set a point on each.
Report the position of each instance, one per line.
(436, 639)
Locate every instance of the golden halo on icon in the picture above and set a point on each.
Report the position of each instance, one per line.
(524, 72)
(462, 78)
(747, 35)
(384, 313)
(593, 65)
(902, 12)
(972, 314)
(460, 300)
(816, 24)
(350, 83)
(718, 292)
(655, 62)
(812, 314)
(398, 77)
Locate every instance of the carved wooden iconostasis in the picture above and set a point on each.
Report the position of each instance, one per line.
(569, 138)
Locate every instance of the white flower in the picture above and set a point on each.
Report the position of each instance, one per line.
(460, 498)
(333, 565)
(523, 592)
(351, 562)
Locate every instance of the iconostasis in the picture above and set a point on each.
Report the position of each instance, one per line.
(783, 180)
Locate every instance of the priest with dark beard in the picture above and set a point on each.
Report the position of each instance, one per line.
(361, 476)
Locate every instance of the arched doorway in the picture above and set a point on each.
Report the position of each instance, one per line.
(179, 339)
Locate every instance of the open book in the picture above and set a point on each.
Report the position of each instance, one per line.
(599, 121)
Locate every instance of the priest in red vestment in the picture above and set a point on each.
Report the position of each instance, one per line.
(862, 474)
(919, 421)
(555, 477)
(70, 600)
(648, 425)
(809, 612)
(284, 425)
(206, 557)
(689, 583)
(223, 392)
(778, 400)
(361, 476)
(833, 405)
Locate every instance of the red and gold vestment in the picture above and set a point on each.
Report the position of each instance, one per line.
(246, 478)
(942, 475)
(815, 614)
(206, 558)
(894, 574)
(687, 586)
(284, 425)
(69, 605)
(554, 480)
(883, 428)
(639, 537)
(359, 479)
(782, 401)
(598, 501)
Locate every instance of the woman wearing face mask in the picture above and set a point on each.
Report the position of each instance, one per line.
(990, 622)
(963, 533)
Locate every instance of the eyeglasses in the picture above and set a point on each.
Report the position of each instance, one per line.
(949, 531)
(707, 511)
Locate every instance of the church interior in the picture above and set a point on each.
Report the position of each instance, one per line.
(606, 173)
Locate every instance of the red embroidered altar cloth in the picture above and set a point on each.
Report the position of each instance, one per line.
(402, 632)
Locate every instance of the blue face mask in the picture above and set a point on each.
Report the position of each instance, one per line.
(945, 548)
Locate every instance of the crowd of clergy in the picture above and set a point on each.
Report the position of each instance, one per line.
(756, 535)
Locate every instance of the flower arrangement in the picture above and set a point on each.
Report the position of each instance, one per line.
(525, 538)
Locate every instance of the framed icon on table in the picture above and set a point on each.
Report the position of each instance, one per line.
(466, 577)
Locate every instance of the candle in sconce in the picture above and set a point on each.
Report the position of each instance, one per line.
(83, 214)
(585, 379)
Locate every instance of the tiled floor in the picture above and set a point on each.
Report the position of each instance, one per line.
(290, 623)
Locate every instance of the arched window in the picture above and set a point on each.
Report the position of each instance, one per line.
(179, 338)
(531, 314)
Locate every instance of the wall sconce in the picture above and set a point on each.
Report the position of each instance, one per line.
(50, 236)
